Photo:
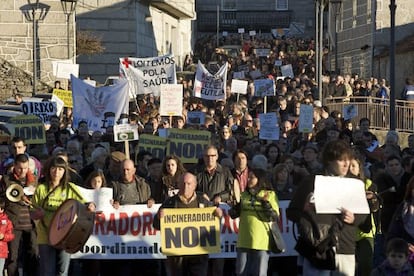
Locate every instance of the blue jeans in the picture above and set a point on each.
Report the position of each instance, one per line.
(251, 262)
(2, 262)
(310, 270)
(345, 266)
(53, 261)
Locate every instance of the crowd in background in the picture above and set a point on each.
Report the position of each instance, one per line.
(236, 150)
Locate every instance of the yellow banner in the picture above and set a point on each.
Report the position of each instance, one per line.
(188, 144)
(65, 96)
(30, 128)
(154, 144)
(190, 231)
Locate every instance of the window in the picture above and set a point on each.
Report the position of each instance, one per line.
(229, 4)
(281, 5)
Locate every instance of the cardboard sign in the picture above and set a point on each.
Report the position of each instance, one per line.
(190, 231)
(28, 127)
(171, 101)
(125, 132)
(65, 96)
(42, 109)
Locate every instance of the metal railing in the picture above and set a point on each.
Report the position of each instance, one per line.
(377, 111)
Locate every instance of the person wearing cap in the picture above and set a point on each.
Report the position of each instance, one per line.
(113, 169)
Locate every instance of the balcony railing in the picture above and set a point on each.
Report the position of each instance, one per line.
(377, 111)
(250, 20)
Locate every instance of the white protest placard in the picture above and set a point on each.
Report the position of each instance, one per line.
(332, 193)
(239, 86)
(55, 65)
(101, 197)
(350, 111)
(252, 33)
(64, 70)
(196, 118)
(59, 104)
(269, 127)
(240, 30)
(225, 33)
(171, 101)
(44, 110)
(239, 75)
(305, 118)
(287, 70)
(90, 82)
(264, 87)
(125, 132)
(262, 52)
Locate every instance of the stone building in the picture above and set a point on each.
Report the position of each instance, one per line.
(363, 29)
(134, 29)
(126, 27)
(16, 43)
(296, 17)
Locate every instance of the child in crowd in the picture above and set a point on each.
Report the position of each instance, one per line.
(397, 260)
(96, 180)
(6, 234)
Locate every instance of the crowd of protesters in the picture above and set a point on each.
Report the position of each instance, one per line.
(222, 173)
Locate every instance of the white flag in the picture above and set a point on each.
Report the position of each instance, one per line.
(100, 107)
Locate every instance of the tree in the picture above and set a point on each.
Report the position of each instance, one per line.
(88, 43)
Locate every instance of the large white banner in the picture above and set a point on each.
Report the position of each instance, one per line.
(208, 86)
(145, 75)
(100, 107)
(127, 233)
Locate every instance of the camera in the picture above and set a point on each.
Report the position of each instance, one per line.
(125, 136)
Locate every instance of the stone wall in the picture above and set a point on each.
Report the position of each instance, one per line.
(15, 80)
(16, 37)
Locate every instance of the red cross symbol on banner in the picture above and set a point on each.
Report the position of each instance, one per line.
(126, 62)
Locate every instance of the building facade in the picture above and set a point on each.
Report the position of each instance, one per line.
(295, 17)
(134, 29)
(16, 36)
(363, 39)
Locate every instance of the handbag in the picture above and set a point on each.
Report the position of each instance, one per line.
(317, 242)
(277, 244)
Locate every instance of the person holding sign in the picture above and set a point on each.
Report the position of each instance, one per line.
(334, 230)
(187, 197)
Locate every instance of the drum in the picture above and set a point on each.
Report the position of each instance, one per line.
(71, 226)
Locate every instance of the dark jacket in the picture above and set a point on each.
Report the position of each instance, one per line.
(18, 212)
(220, 183)
(397, 229)
(143, 190)
(295, 212)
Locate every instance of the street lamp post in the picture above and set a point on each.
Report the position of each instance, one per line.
(68, 7)
(393, 7)
(320, 7)
(336, 7)
(34, 5)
